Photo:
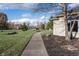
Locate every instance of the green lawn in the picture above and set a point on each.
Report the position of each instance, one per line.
(47, 32)
(14, 44)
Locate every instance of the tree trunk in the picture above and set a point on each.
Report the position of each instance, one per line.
(71, 29)
(66, 23)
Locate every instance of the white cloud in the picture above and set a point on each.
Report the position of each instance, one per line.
(19, 20)
(26, 15)
(22, 20)
(29, 5)
(0, 6)
(18, 6)
(32, 22)
(52, 11)
(73, 5)
(42, 17)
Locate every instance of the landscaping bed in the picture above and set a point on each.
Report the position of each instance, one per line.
(54, 45)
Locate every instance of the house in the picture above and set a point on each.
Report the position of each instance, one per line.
(59, 24)
(3, 21)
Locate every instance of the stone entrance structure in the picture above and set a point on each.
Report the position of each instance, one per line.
(59, 25)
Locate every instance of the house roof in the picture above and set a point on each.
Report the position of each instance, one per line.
(69, 14)
(2, 14)
(74, 15)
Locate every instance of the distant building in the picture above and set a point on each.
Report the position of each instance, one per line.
(13, 25)
(59, 25)
(3, 21)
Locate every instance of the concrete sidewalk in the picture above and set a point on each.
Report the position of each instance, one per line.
(35, 47)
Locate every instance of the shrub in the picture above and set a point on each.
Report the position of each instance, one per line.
(24, 27)
(10, 33)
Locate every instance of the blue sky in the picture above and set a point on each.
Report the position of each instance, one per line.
(23, 12)
(15, 14)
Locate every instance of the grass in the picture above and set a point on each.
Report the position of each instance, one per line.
(13, 45)
(47, 32)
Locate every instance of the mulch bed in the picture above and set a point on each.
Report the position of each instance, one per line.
(53, 45)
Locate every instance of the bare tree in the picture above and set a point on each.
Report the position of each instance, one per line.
(64, 6)
(64, 9)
